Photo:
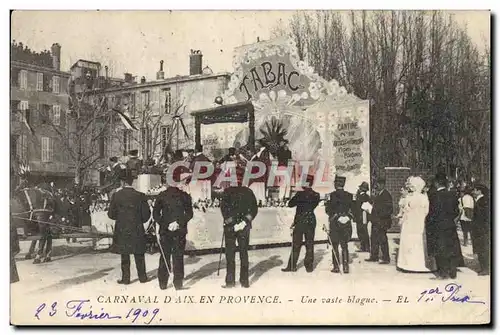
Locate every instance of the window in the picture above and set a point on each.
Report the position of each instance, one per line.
(168, 100)
(39, 81)
(102, 146)
(56, 115)
(47, 149)
(23, 79)
(22, 148)
(165, 130)
(55, 84)
(126, 142)
(23, 107)
(145, 99)
(131, 103)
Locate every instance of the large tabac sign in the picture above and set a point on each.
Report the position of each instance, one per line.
(324, 124)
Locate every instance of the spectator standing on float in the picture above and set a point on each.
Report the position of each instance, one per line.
(201, 188)
(134, 164)
(284, 156)
(258, 185)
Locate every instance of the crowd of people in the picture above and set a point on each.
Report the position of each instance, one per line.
(200, 190)
(430, 216)
(428, 243)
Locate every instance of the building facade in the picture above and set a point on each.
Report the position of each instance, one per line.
(160, 110)
(39, 105)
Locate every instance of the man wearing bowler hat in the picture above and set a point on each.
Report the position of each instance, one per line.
(339, 211)
(442, 237)
(381, 212)
(361, 217)
(481, 228)
(130, 209)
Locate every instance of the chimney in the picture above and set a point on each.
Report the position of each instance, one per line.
(143, 80)
(195, 62)
(128, 78)
(160, 75)
(56, 56)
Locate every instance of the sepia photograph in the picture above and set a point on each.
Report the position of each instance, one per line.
(230, 167)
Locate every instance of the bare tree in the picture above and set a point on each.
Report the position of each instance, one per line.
(428, 84)
(158, 124)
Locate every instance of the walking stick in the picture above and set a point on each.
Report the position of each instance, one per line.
(333, 250)
(220, 253)
(163, 254)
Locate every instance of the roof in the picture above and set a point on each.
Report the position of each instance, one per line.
(171, 80)
(84, 60)
(33, 67)
(238, 112)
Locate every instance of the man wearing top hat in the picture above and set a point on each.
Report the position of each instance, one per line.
(481, 228)
(113, 176)
(339, 211)
(201, 188)
(381, 218)
(134, 164)
(304, 226)
(442, 238)
(361, 217)
(258, 185)
(172, 211)
(130, 210)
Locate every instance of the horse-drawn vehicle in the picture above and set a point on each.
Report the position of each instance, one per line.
(40, 215)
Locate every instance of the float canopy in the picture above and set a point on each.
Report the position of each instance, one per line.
(235, 113)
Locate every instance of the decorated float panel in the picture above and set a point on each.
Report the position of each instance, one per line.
(323, 124)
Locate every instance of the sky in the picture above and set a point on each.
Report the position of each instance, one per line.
(135, 42)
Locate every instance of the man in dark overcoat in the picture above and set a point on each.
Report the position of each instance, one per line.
(361, 217)
(14, 250)
(442, 238)
(130, 209)
(339, 211)
(304, 226)
(381, 211)
(134, 164)
(239, 208)
(481, 228)
(172, 211)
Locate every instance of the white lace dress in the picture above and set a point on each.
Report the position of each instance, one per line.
(412, 254)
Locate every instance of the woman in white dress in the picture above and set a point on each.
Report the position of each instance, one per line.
(412, 256)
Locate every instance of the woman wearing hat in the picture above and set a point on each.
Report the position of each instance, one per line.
(412, 250)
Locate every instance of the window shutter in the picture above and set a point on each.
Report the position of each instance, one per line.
(51, 149)
(138, 103)
(14, 77)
